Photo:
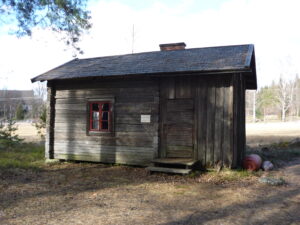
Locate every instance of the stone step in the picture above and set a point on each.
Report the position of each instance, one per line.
(168, 170)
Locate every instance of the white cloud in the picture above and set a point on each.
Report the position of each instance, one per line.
(270, 24)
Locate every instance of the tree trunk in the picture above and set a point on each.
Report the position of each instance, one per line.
(283, 115)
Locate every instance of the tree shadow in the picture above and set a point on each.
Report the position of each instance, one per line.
(247, 213)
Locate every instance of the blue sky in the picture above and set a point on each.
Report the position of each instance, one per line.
(271, 25)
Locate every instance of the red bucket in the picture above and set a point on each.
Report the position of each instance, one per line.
(252, 162)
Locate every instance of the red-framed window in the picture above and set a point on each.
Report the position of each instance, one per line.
(100, 116)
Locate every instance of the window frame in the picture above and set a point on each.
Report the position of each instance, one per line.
(110, 120)
(100, 119)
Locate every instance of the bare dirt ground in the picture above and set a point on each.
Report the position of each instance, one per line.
(73, 193)
(83, 193)
(27, 131)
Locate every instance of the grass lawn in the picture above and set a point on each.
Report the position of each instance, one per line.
(23, 156)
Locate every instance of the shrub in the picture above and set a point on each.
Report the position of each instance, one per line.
(8, 138)
(40, 125)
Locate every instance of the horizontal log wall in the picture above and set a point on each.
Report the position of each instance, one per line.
(218, 132)
(131, 141)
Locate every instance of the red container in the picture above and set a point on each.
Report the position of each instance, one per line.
(252, 162)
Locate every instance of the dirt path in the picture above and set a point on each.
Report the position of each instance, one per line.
(102, 194)
(292, 172)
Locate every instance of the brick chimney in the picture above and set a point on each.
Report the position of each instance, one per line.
(172, 46)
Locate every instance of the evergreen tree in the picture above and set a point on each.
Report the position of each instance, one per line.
(20, 112)
(266, 99)
(67, 17)
(8, 138)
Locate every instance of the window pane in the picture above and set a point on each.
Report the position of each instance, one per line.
(95, 107)
(95, 125)
(105, 116)
(105, 107)
(105, 125)
(95, 115)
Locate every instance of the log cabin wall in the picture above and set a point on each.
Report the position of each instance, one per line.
(239, 120)
(211, 113)
(220, 118)
(130, 142)
(213, 125)
(49, 142)
(214, 116)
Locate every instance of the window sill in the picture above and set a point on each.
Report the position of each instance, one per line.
(100, 133)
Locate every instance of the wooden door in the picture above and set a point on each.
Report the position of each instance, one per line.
(178, 128)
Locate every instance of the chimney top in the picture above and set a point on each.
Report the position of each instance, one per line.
(172, 46)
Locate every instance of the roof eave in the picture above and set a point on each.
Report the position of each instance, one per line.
(226, 71)
(35, 79)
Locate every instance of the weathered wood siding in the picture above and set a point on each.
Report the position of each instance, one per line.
(201, 117)
(239, 120)
(49, 145)
(220, 118)
(214, 118)
(212, 102)
(131, 141)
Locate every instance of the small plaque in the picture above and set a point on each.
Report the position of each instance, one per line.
(145, 118)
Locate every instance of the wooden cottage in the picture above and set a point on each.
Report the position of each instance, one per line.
(176, 104)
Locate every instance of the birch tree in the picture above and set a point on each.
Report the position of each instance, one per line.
(284, 96)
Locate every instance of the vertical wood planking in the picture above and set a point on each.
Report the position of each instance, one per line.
(244, 120)
(218, 122)
(183, 87)
(211, 93)
(195, 94)
(236, 120)
(241, 131)
(163, 92)
(170, 88)
(49, 148)
(227, 130)
(202, 118)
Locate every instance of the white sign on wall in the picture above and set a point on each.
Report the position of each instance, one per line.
(145, 118)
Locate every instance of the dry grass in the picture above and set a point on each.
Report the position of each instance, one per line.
(86, 193)
(27, 131)
(269, 133)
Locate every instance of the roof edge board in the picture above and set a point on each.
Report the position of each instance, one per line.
(157, 74)
(249, 55)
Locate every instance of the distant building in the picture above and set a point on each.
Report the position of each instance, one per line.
(10, 99)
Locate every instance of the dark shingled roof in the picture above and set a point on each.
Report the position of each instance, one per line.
(238, 58)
